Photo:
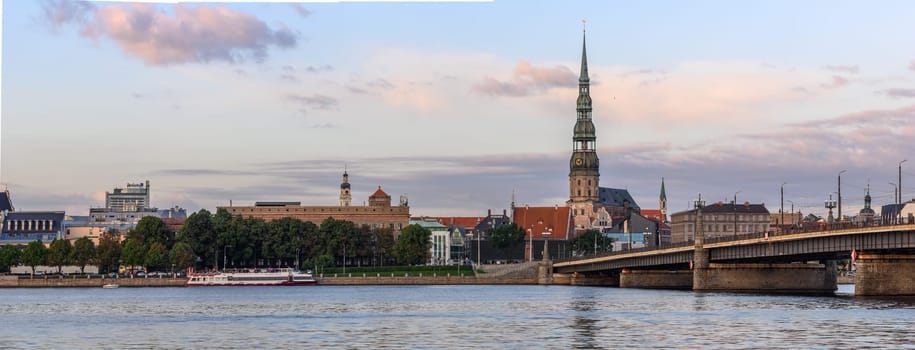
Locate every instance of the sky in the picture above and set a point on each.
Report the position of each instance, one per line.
(460, 106)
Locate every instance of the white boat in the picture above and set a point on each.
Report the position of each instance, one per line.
(110, 286)
(255, 277)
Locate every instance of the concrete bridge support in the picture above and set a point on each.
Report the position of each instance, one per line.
(810, 278)
(656, 279)
(608, 279)
(545, 272)
(885, 275)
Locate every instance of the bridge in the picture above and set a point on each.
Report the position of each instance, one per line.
(795, 262)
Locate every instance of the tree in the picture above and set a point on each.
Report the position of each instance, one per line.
(199, 232)
(108, 252)
(83, 253)
(156, 256)
(384, 243)
(59, 253)
(506, 237)
(182, 256)
(590, 241)
(10, 256)
(35, 254)
(133, 253)
(152, 229)
(413, 245)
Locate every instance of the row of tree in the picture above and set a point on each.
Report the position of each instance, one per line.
(224, 239)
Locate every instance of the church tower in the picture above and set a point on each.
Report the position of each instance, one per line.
(663, 201)
(584, 166)
(345, 197)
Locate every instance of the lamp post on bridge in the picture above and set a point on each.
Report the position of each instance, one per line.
(735, 213)
(895, 199)
(840, 195)
(899, 201)
(782, 210)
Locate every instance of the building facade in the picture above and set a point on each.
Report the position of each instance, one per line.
(134, 197)
(441, 240)
(720, 220)
(379, 213)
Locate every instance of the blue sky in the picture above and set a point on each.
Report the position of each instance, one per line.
(456, 105)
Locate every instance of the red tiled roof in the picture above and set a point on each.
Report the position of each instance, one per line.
(540, 219)
(468, 222)
(379, 193)
(652, 214)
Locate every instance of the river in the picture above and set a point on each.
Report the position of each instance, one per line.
(473, 317)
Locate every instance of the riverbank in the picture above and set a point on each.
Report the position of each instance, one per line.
(83, 282)
(367, 280)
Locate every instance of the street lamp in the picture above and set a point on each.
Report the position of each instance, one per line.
(899, 201)
(530, 244)
(840, 195)
(782, 210)
(546, 242)
(895, 198)
(735, 213)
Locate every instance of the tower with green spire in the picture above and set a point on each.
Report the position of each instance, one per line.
(584, 166)
(663, 201)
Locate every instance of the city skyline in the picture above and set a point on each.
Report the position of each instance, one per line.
(718, 100)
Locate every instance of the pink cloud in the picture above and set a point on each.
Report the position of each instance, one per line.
(190, 34)
(527, 79)
(912, 65)
(899, 93)
(836, 82)
(849, 69)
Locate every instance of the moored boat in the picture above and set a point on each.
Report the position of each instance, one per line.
(254, 277)
(110, 286)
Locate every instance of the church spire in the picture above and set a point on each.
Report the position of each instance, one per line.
(663, 192)
(583, 78)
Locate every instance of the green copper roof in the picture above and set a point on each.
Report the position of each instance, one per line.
(663, 192)
(584, 61)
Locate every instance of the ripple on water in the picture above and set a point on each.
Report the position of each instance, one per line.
(513, 317)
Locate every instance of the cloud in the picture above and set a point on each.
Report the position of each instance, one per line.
(898, 93)
(319, 69)
(912, 65)
(202, 172)
(381, 84)
(289, 77)
(836, 82)
(316, 101)
(356, 90)
(302, 11)
(527, 79)
(848, 69)
(886, 117)
(198, 34)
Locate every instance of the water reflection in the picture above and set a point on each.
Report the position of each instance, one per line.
(514, 317)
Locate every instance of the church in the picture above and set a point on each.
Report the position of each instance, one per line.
(593, 206)
(590, 206)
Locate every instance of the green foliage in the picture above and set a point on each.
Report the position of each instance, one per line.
(506, 237)
(133, 253)
(151, 229)
(108, 252)
(59, 253)
(182, 256)
(83, 253)
(35, 254)
(199, 232)
(156, 256)
(585, 243)
(413, 245)
(9, 256)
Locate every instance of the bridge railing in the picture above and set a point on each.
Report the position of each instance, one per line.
(787, 230)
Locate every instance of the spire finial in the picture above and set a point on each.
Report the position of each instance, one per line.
(583, 26)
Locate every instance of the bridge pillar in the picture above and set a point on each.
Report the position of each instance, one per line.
(885, 274)
(545, 272)
(772, 278)
(656, 279)
(595, 279)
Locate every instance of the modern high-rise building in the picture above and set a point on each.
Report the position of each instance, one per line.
(134, 197)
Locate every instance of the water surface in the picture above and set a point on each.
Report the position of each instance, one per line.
(480, 317)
